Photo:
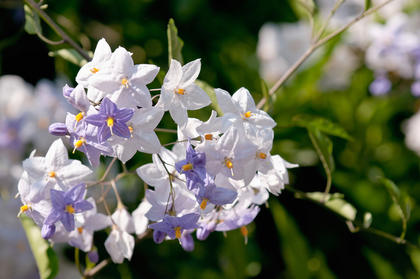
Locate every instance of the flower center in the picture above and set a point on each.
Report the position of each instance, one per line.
(110, 123)
(131, 130)
(208, 136)
(51, 174)
(203, 204)
(70, 209)
(248, 114)
(94, 70)
(228, 163)
(24, 208)
(79, 117)
(177, 232)
(80, 230)
(125, 82)
(244, 232)
(181, 91)
(79, 143)
(187, 167)
(263, 156)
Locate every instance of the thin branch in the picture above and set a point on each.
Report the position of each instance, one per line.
(327, 21)
(165, 130)
(314, 46)
(104, 176)
(56, 28)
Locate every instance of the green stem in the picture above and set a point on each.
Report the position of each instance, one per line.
(77, 261)
(57, 29)
(165, 130)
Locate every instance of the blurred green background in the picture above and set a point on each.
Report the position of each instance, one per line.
(292, 238)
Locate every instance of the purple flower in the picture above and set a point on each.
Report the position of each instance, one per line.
(415, 89)
(174, 226)
(237, 219)
(381, 85)
(58, 129)
(84, 139)
(111, 120)
(193, 168)
(64, 205)
(215, 195)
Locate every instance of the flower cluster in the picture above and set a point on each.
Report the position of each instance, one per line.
(214, 178)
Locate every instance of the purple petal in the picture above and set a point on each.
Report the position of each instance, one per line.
(47, 231)
(180, 164)
(58, 129)
(82, 205)
(96, 119)
(415, 89)
(124, 114)
(380, 86)
(189, 221)
(222, 196)
(93, 256)
(121, 130)
(158, 236)
(57, 198)
(204, 230)
(161, 226)
(68, 221)
(187, 242)
(76, 193)
(54, 216)
(104, 134)
(108, 107)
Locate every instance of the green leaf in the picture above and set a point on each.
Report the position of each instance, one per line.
(45, 257)
(401, 200)
(32, 22)
(323, 146)
(336, 203)
(175, 43)
(323, 124)
(367, 220)
(210, 91)
(70, 55)
(368, 4)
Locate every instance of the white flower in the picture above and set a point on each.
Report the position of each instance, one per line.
(123, 82)
(55, 169)
(119, 245)
(179, 92)
(123, 219)
(241, 108)
(101, 55)
(140, 221)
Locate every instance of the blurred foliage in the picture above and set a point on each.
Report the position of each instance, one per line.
(293, 238)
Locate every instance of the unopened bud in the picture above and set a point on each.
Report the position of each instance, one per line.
(58, 129)
(47, 231)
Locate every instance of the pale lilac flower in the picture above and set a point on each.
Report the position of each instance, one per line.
(110, 120)
(119, 245)
(65, 204)
(175, 226)
(179, 92)
(122, 218)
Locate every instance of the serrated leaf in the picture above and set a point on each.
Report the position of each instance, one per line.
(322, 124)
(32, 22)
(367, 220)
(70, 55)
(45, 257)
(175, 43)
(323, 146)
(210, 91)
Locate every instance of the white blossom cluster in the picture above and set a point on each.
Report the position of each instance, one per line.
(214, 178)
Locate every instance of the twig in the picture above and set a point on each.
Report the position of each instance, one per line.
(56, 28)
(165, 130)
(314, 46)
(104, 176)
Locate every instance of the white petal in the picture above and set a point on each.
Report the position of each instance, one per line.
(57, 156)
(190, 73)
(174, 74)
(195, 97)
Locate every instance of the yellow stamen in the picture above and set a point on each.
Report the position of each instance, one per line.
(208, 136)
(263, 156)
(110, 123)
(80, 230)
(125, 82)
(23, 209)
(187, 167)
(203, 204)
(79, 116)
(78, 144)
(94, 70)
(181, 91)
(70, 209)
(131, 130)
(229, 164)
(177, 232)
(51, 174)
(248, 114)
(244, 232)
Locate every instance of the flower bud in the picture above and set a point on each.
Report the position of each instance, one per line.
(58, 129)
(158, 236)
(47, 231)
(187, 242)
(67, 90)
(93, 256)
